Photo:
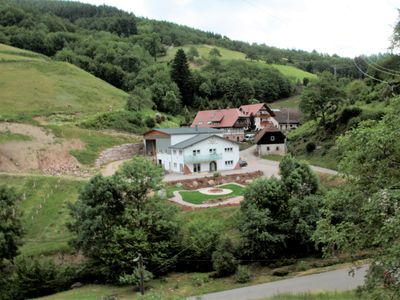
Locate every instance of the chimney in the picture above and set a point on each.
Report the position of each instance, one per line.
(196, 127)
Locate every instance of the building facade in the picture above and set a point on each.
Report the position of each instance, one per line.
(271, 140)
(286, 119)
(261, 113)
(232, 121)
(191, 150)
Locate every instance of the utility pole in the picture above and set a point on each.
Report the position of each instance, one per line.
(139, 259)
(334, 70)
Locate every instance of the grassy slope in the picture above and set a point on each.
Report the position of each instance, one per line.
(291, 102)
(32, 84)
(227, 54)
(45, 213)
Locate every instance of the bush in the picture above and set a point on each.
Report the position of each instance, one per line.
(310, 147)
(134, 278)
(35, 278)
(349, 113)
(242, 275)
(199, 280)
(302, 266)
(224, 262)
(150, 122)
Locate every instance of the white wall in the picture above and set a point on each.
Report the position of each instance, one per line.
(266, 149)
(219, 145)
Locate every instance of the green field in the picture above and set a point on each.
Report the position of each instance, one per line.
(195, 197)
(44, 210)
(226, 54)
(291, 102)
(31, 84)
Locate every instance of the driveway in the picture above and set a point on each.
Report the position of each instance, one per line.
(338, 280)
(255, 163)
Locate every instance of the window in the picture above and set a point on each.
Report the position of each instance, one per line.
(230, 149)
(212, 151)
(272, 138)
(175, 165)
(277, 148)
(180, 152)
(174, 152)
(195, 152)
(267, 148)
(228, 162)
(196, 167)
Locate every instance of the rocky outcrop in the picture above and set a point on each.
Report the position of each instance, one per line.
(120, 152)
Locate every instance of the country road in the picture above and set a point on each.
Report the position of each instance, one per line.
(338, 280)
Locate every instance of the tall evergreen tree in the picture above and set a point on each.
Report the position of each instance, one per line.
(181, 75)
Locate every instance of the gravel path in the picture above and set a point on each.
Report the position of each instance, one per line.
(338, 280)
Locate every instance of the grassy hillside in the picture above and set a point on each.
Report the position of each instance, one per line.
(31, 84)
(44, 208)
(227, 54)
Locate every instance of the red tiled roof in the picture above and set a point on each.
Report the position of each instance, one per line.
(249, 109)
(224, 117)
(269, 128)
(287, 115)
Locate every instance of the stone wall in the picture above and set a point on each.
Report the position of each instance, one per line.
(192, 184)
(120, 152)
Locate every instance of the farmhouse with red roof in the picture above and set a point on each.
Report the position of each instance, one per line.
(231, 120)
(261, 112)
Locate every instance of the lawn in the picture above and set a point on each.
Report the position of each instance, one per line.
(44, 210)
(348, 295)
(31, 84)
(195, 197)
(7, 136)
(291, 102)
(95, 141)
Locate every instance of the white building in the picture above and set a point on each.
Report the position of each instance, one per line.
(188, 150)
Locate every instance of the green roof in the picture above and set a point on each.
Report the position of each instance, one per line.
(197, 139)
(188, 130)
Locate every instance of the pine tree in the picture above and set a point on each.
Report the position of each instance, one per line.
(181, 75)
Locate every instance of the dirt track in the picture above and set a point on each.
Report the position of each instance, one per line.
(42, 153)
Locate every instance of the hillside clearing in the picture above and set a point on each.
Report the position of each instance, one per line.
(42, 87)
(44, 211)
(226, 54)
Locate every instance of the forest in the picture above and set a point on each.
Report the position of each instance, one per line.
(127, 51)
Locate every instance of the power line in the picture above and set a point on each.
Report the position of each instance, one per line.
(381, 68)
(368, 75)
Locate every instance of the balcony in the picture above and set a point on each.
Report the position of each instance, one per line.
(202, 158)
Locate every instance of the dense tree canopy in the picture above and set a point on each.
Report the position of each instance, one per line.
(364, 213)
(280, 215)
(115, 219)
(10, 226)
(321, 97)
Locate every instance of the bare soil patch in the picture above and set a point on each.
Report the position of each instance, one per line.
(42, 153)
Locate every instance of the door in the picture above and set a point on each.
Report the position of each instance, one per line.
(213, 166)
